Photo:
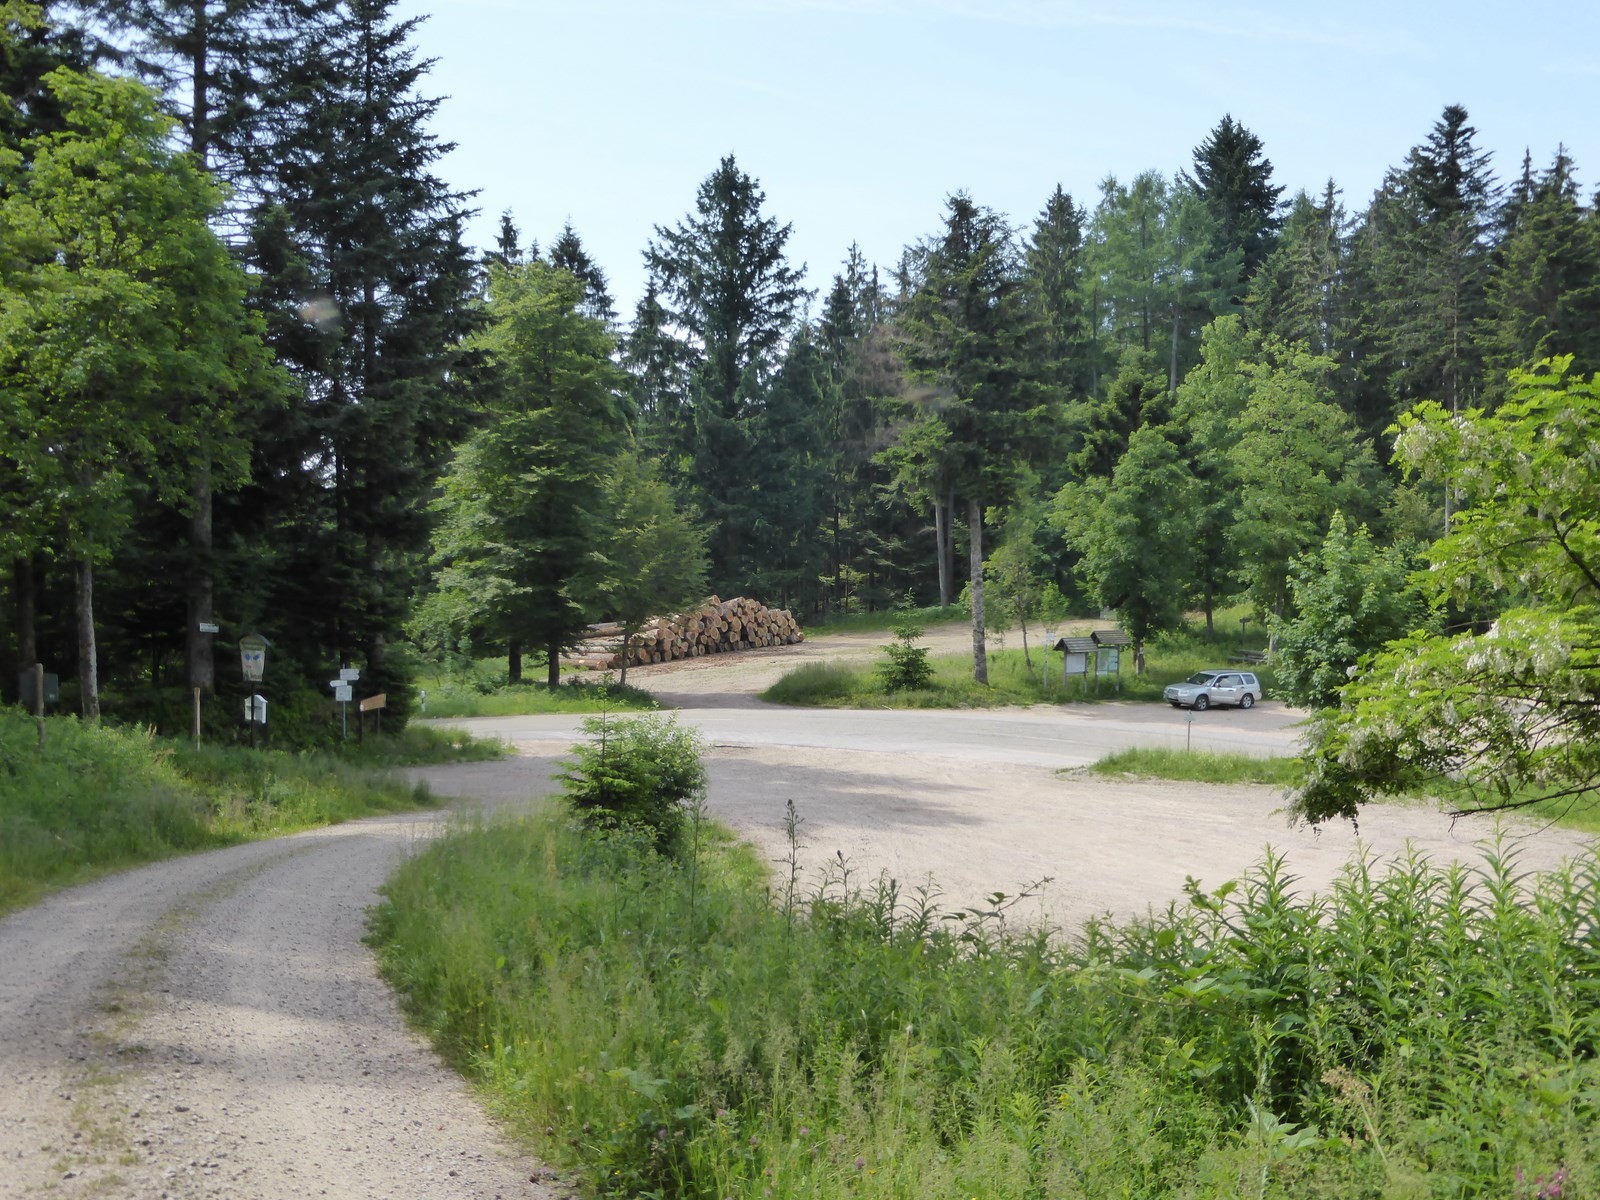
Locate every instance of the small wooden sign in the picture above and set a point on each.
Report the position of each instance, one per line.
(373, 703)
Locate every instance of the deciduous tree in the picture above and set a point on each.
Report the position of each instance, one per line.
(1494, 717)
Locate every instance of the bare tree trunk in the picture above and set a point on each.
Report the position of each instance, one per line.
(941, 537)
(1172, 369)
(950, 544)
(200, 648)
(980, 655)
(627, 645)
(553, 668)
(88, 669)
(199, 655)
(514, 661)
(22, 590)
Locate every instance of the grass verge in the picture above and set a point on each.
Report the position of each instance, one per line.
(480, 693)
(99, 798)
(1012, 680)
(1200, 766)
(670, 1029)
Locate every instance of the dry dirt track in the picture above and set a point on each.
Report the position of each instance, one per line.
(213, 1026)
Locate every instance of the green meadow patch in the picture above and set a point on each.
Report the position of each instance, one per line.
(679, 1027)
(97, 798)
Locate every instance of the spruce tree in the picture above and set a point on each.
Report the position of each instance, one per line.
(968, 338)
(1233, 179)
(567, 254)
(359, 245)
(1543, 296)
(1056, 265)
(1424, 254)
(724, 281)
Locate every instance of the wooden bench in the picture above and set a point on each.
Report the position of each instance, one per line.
(1254, 657)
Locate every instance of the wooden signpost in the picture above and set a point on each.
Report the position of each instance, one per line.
(373, 704)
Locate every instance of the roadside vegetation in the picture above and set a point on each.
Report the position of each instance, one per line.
(1013, 679)
(668, 1022)
(98, 798)
(1200, 766)
(482, 688)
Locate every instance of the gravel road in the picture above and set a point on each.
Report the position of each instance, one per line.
(213, 1027)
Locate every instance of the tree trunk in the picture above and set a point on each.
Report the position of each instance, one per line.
(199, 648)
(88, 670)
(980, 655)
(22, 590)
(1211, 616)
(1172, 369)
(950, 545)
(514, 661)
(553, 671)
(941, 537)
(1027, 658)
(627, 644)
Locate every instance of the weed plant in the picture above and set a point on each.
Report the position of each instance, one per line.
(1418, 1031)
(97, 798)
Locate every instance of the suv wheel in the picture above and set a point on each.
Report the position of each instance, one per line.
(1202, 702)
(1248, 700)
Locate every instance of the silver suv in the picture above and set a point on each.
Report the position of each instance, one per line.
(1205, 688)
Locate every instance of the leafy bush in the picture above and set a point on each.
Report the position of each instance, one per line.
(642, 773)
(907, 664)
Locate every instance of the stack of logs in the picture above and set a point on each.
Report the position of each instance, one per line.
(716, 627)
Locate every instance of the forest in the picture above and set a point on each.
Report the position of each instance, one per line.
(252, 377)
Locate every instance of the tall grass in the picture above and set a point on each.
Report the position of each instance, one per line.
(1419, 1031)
(97, 798)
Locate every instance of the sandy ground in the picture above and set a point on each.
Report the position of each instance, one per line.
(965, 833)
(213, 1026)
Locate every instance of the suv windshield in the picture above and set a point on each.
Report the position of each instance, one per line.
(1201, 677)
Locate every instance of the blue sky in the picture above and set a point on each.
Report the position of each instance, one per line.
(859, 116)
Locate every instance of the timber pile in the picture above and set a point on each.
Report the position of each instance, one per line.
(716, 627)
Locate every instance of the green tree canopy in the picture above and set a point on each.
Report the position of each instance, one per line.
(1347, 598)
(124, 341)
(523, 499)
(648, 555)
(1134, 532)
(1500, 716)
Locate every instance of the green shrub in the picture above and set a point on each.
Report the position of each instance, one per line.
(643, 773)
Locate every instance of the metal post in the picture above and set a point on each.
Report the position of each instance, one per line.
(38, 699)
